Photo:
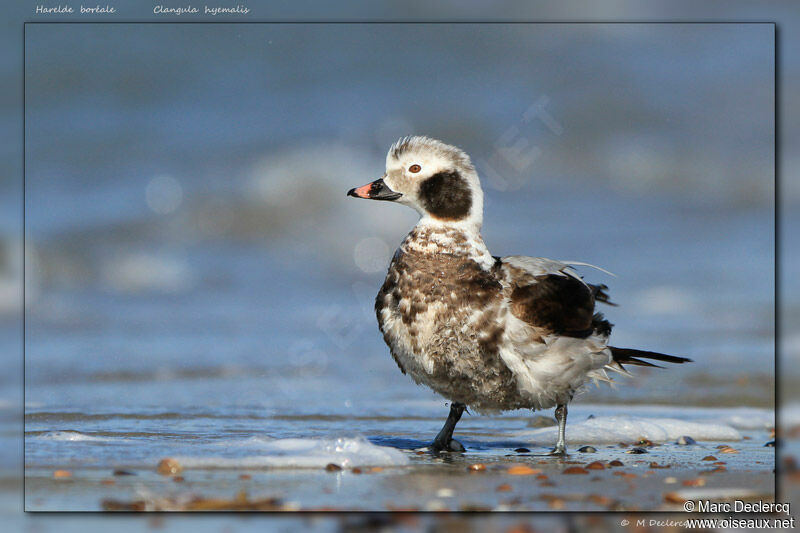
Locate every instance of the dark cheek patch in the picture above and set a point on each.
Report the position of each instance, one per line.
(446, 196)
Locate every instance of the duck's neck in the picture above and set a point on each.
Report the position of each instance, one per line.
(454, 239)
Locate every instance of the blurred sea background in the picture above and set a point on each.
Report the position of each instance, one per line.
(189, 244)
(187, 224)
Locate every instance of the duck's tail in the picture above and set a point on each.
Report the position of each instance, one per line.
(630, 356)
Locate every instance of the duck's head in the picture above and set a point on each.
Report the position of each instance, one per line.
(436, 179)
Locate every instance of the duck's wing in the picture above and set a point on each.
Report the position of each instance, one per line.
(553, 338)
(551, 297)
(555, 311)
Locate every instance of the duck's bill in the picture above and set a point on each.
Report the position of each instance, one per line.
(377, 190)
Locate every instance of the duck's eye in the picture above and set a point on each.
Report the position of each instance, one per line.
(414, 168)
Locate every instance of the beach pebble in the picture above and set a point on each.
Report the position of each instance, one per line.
(245, 476)
(597, 465)
(637, 451)
(709, 458)
(61, 474)
(685, 440)
(505, 487)
(645, 442)
(625, 475)
(674, 497)
(116, 505)
(556, 504)
(445, 493)
(728, 449)
(587, 449)
(474, 508)
(522, 450)
(656, 465)
(332, 467)
(169, 467)
(476, 467)
(670, 480)
(699, 482)
(575, 470)
(123, 473)
(108, 482)
(178, 479)
(522, 470)
(602, 501)
(770, 444)
(615, 462)
(356, 470)
(436, 505)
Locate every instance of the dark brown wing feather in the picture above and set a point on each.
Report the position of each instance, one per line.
(558, 303)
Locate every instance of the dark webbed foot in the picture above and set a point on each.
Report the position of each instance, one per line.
(452, 446)
(444, 441)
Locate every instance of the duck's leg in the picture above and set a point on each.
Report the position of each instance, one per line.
(561, 417)
(444, 441)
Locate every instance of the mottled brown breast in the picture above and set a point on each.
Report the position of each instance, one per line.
(442, 316)
(420, 279)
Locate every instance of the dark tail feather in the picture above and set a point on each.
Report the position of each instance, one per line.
(630, 356)
(600, 294)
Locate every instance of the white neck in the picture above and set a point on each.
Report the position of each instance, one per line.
(467, 226)
(458, 238)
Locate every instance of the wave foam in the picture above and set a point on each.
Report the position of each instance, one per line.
(303, 453)
(613, 429)
(73, 436)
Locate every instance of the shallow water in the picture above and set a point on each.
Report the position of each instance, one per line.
(216, 450)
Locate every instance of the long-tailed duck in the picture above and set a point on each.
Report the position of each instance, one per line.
(491, 333)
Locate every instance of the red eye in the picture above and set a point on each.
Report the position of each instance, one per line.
(414, 168)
